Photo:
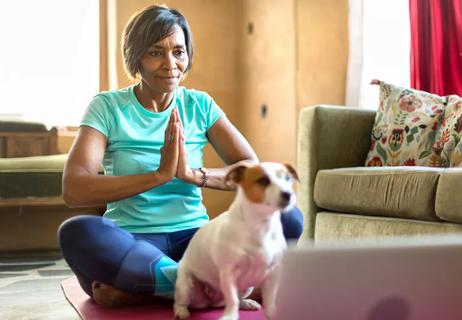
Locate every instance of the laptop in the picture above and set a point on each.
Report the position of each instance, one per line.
(415, 278)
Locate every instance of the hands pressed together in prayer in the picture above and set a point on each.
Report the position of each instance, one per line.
(173, 161)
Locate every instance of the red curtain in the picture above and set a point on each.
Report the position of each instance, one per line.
(436, 46)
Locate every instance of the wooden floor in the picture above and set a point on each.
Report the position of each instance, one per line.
(30, 287)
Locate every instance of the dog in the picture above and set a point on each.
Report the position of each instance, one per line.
(241, 248)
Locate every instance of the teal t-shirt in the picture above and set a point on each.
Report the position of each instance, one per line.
(134, 138)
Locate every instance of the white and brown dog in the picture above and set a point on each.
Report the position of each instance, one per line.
(241, 248)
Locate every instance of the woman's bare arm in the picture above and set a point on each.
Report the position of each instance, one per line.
(232, 148)
(83, 186)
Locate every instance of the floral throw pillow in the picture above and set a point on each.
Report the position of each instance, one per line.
(408, 129)
(452, 131)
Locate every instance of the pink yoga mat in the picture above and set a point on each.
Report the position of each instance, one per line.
(89, 310)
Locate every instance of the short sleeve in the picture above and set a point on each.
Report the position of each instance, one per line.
(214, 112)
(98, 115)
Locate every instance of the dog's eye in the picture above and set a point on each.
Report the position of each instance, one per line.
(288, 177)
(264, 181)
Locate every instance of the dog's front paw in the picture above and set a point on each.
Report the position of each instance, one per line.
(249, 304)
(180, 312)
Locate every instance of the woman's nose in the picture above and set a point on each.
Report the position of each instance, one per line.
(169, 61)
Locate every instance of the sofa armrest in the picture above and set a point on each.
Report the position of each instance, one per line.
(329, 137)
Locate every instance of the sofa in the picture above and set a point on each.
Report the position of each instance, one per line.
(31, 203)
(342, 199)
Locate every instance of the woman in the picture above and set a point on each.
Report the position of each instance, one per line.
(149, 137)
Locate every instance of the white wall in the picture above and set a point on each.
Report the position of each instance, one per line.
(49, 59)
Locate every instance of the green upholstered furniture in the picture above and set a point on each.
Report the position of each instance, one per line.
(31, 204)
(343, 199)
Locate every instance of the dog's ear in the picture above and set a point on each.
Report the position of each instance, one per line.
(236, 174)
(292, 171)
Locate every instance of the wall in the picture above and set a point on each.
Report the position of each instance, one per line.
(322, 51)
(281, 54)
(267, 78)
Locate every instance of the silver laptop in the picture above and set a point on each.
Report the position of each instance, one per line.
(418, 278)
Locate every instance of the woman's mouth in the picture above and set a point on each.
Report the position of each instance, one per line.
(171, 79)
(168, 77)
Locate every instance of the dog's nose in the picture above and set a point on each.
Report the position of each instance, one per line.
(285, 199)
(285, 196)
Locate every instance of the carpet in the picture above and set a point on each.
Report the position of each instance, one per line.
(89, 310)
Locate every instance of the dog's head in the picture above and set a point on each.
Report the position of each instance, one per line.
(267, 183)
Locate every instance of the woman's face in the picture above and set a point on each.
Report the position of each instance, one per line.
(164, 63)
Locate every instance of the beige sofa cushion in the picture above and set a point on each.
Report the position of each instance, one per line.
(448, 203)
(403, 192)
(48, 162)
(341, 226)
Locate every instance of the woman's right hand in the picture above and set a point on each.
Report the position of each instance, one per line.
(169, 152)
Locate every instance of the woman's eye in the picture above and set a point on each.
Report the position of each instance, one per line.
(179, 53)
(264, 181)
(155, 53)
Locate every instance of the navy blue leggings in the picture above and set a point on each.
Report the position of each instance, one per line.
(97, 250)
